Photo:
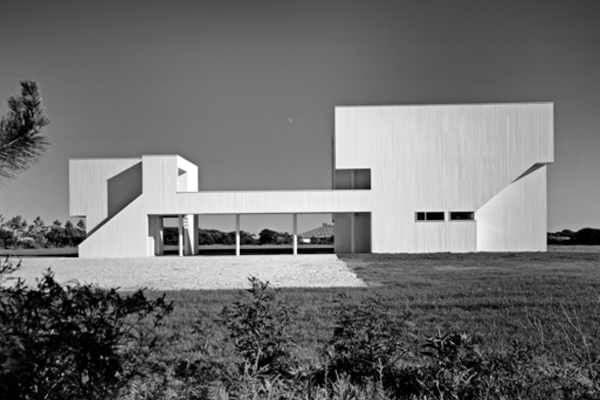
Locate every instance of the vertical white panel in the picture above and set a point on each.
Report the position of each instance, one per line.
(237, 234)
(295, 233)
(190, 236)
(180, 232)
(155, 235)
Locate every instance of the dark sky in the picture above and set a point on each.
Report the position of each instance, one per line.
(246, 89)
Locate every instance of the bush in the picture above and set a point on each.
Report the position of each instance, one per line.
(589, 236)
(258, 325)
(73, 342)
(367, 342)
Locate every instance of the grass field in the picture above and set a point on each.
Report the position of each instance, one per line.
(551, 299)
(51, 252)
(499, 296)
(531, 319)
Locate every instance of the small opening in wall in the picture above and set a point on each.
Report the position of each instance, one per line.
(352, 179)
(462, 216)
(430, 216)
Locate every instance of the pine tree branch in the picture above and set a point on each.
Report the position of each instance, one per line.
(21, 144)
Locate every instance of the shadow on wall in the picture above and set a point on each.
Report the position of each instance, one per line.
(123, 189)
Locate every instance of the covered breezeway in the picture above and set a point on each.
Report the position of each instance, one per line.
(352, 235)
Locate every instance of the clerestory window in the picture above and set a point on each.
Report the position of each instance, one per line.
(462, 216)
(424, 216)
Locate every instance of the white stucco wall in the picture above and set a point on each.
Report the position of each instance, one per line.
(445, 158)
(419, 158)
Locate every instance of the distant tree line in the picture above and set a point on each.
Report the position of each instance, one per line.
(589, 236)
(208, 237)
(16, 233)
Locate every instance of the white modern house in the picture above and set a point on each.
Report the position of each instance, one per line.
(433, 178)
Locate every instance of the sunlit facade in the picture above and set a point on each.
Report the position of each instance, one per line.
(408, 179)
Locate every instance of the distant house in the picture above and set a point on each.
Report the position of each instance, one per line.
(325, 231)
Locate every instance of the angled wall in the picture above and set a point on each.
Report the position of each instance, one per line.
(91, 180)
(515, 219)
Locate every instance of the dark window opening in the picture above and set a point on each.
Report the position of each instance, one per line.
(462, 216)
(430, 216)
(352, 179)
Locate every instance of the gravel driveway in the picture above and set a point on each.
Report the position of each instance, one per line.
(198, 272)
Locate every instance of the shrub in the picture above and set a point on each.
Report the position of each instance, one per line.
(258, 325)
(458, 369)
(73, 342)
(455, 369)
(589, 236)
(368, 339)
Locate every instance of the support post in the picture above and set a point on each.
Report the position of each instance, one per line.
(180, 221)
(186, 236)
(155, 236)
(190, 234)
(295, 234)
(352, 215)
(161, 237)
(196, 234)
(237, 234)
(352, 239)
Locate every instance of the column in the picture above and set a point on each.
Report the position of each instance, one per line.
(352, 215)
(180, 220)
(154, 235)
(237, 234)
(186, 236)
(161, 236)
(196, 234)
(352, 233)
(190, 234)
(295, 234)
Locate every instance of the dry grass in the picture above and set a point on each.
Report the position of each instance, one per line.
(498, 297)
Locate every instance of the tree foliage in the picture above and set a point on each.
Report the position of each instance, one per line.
(268, 236)
(208, 237)
(21, 139)
(73, 342)
(585, 236)
(589, 236)
(17, 233)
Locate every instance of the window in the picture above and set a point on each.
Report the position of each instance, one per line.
(430, 216)
(462, 216)
(351, 179)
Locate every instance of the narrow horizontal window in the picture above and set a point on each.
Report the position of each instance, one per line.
(430, 216)
(462, 216)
